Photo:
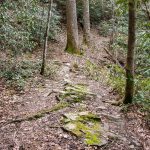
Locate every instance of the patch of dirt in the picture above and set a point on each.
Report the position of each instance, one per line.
(45, 133)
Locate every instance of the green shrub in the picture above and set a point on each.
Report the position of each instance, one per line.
(23, 24)
(142, 92)
(142, 58)
(104, 28)
(16, 73)
(143, 69)
(117, 79)
(92, 71)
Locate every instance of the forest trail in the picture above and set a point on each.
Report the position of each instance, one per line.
(44, 132)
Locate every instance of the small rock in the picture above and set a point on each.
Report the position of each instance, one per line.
(123, 139)
(70, 126)
(99, 96)
(65, 136)
(131, 146)
(101, 108)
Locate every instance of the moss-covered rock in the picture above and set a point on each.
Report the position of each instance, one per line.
(75, 93)
(84, 125)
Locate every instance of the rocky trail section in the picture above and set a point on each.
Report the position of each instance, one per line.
(40, 110)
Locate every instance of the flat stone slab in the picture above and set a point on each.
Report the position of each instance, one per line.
(85, 125)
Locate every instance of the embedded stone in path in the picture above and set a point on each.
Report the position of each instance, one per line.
(85, 125)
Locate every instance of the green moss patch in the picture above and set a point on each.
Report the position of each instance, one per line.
(42, 113)
(84, 125)
(75, 93)
(72, 50)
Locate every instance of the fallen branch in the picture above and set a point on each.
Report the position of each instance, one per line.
(55, 126)
(38, 114)
(55, 91)
(58, 98)
(114, 59)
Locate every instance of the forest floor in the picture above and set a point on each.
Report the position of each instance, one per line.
(26, 119)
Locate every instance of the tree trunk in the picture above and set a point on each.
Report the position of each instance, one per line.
(129, 90)
(46, 38)
(72, 28)
(113, 23)
(86, 22)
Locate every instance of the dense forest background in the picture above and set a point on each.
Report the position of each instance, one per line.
(23, 26)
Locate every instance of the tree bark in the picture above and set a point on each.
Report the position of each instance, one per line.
(86, 22)
(72, 28)
(129, 89)
(46, 38)
(113, 23)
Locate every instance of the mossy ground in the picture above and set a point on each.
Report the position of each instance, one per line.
(75, 93)
(72, 50)
(71, 94)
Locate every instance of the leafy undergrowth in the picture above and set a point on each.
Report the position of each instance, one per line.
(95, 72)
(92, 70)
(142, 93)
(142, 62)
(142, 85)
(114, 76)
(17, 73)
(23, 28)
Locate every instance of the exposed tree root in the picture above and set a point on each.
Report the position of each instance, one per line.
(38, 114)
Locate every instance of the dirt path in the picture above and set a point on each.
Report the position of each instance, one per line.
(44, 133)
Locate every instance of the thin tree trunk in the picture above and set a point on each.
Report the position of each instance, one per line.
(113, 23)
(72, 28)
(111, 42)
(86, 22)
(129, 90)
(46, 38)
(41, 23)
